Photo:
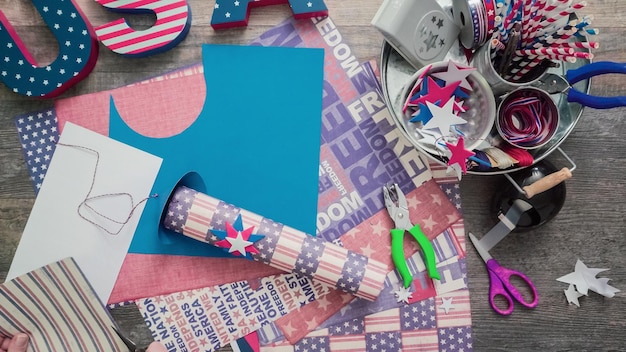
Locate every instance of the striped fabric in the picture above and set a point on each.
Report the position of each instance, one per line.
(57, 307)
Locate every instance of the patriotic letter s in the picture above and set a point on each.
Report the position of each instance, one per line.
(173, 20)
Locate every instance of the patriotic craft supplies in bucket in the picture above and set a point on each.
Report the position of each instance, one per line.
(245, 234)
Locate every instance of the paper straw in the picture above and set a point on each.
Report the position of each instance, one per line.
(504, 34)
(526, 17)
(545, 51)
(577, 45)
(558, 37)
(525, 67)
(223, 225)
(509, 20)
(557, 5)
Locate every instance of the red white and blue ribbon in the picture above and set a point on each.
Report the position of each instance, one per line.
(527, 118)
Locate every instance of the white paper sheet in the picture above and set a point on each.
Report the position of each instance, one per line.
(55, 230)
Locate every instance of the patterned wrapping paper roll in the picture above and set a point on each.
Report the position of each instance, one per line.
(241, 232)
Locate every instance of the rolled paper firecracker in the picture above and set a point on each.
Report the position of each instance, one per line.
(243, 233)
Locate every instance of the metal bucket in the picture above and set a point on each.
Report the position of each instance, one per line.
(396, 72)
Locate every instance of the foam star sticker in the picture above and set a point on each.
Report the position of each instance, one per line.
(459, 154)
(443, 117)
(236, 240)
(456, 73)
(572, 295)
(446, 304)
(423, 115)
(403, 294)
(436, 92)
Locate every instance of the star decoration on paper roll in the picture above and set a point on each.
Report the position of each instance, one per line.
(236, 240)
(459, 154)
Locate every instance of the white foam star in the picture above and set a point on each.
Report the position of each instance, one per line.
(403, 295)
(446, 304)
(238, 244)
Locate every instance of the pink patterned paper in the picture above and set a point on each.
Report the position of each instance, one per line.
(427, 205)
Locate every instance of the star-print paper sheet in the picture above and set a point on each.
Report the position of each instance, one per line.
(361, 151)
(438, 319)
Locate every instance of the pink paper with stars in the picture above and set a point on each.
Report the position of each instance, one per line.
(361, 150)
(437, 318)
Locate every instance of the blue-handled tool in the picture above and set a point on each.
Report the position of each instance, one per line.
(398, 210)
(553, 83)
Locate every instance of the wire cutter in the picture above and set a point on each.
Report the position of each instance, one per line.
(397, 207)
(132, 347)
(553, 83)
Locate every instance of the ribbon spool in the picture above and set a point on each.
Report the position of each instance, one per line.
(476, 18)
(527, 118)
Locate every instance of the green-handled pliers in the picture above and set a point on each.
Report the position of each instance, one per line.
(396, 204)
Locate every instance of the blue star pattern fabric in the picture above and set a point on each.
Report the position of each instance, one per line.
(38, 134)
(78, 52)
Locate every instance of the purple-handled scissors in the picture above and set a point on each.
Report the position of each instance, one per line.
(500, 282)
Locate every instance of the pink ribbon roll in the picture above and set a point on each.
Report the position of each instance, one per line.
(243, 233)
(527, 118)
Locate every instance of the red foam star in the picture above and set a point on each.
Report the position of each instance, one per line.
(459, 154)
(238, 241)
(436, 93)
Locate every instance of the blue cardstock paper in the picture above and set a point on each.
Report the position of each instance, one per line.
(256, 143)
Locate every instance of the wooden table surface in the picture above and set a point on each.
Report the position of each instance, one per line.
(591, 226)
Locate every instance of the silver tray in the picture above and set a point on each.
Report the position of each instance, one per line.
(396, 72)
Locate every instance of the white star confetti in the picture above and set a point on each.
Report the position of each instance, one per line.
(403, 294)
(446, 304)
(584, 279)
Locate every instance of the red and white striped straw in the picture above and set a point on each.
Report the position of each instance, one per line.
(578, 45)
(545, 51)
(530, 64)
(556, 5)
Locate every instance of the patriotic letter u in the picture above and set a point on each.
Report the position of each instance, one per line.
(173, 20)
(78, 52)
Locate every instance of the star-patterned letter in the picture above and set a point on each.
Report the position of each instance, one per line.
(78, 52)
